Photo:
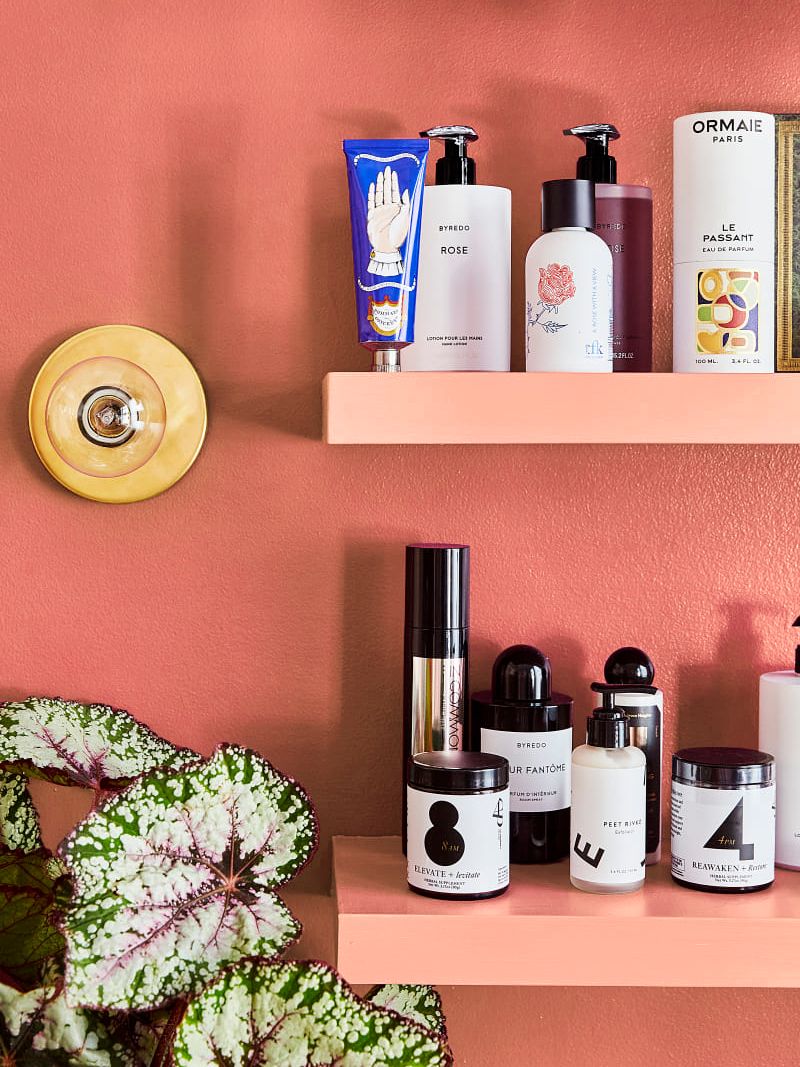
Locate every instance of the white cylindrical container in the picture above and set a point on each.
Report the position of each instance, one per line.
(779, 734)
(607, 817)
(568, 285)
(724, 242)
(458, 833)
(463, 313)
(723, 819)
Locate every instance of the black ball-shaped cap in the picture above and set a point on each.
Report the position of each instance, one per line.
(629, 666)
(521, 675)
(567, 202)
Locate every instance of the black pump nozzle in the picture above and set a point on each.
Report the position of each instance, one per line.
(606, 727)
(455, 167)
(608, 689)
(597, 165)
(797, 649)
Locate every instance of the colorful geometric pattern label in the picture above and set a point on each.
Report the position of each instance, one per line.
(727, 311)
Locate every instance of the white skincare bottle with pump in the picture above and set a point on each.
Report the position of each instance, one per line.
(779, 735)
(624, 219)
(607, 817)
(568, 285)
(724, 243)
(463, 315)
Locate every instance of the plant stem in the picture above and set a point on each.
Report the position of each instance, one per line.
(163, 1056)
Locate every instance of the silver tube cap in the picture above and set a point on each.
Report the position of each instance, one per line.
(386, 360)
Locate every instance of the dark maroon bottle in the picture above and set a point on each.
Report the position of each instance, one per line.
(624, 219)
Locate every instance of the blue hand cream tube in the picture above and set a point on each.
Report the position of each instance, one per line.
(386, 180)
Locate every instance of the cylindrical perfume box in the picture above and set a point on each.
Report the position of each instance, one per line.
(458, 824)
(724, 242)
(779, 733)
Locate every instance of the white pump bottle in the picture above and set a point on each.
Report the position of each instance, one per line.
(607, 817)
(463, 314)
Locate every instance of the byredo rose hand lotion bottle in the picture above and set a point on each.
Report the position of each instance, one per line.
(568, 285)
(463, 319)
(724, 243)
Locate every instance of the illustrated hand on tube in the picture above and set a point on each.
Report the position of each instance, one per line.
(388, 219)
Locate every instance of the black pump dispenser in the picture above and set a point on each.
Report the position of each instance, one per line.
(797, 649)
(597, 165)
(606, 726)
(455, 167)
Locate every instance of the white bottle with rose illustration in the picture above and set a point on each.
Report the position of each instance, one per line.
(568, 285)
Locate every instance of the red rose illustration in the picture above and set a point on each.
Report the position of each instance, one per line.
(556, 284)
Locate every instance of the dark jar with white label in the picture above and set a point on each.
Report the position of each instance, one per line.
(522, 719)
(723, 819)
(457, 805)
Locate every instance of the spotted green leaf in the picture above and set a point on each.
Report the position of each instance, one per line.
(28, 935)
(19, 821)
(421, 1003)
(297, 1014)
(39, 1029)
(174, 878)
(91, 745)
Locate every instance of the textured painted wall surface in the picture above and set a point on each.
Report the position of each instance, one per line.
(179, 167)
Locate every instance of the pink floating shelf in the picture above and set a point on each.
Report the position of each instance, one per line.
(518, 408)
(544, 932)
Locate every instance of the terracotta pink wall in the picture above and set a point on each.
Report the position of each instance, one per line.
(179, 166)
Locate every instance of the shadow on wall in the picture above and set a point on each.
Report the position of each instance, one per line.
(717, 702)
(368, 750)
(232, 262)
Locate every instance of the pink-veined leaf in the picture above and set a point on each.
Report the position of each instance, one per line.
(39, 1029)
(421, 1003)
(298, 1014)
(175, 877)
(91, 745)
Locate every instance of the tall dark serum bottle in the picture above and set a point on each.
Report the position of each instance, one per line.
(525, 721)
(624, 219)
(436, 655)
(643, 708)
